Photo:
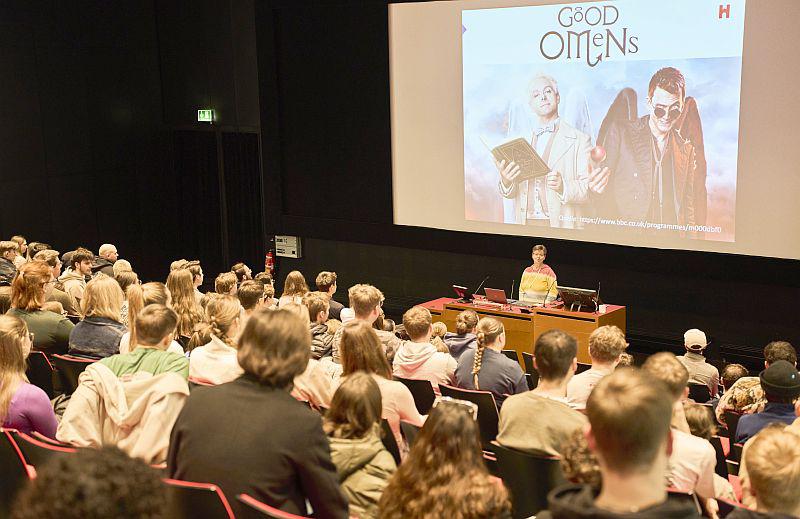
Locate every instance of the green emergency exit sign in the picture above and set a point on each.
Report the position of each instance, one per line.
(205, 116)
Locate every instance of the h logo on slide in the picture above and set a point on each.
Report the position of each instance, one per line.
(724, 10)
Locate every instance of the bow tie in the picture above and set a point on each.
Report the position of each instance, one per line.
(545, 129)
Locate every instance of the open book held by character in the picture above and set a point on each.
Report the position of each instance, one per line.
(521, 152)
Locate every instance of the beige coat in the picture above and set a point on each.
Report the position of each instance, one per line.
(570, 157)
(134, 413)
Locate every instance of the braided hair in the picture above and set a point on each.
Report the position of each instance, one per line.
(488, 330)
(220, 313)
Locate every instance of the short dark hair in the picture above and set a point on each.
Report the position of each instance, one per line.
(554, 352)
(92, 483)
(539, 247)
(780, 350)
(79, 255)
(250, 293)
(669, 79)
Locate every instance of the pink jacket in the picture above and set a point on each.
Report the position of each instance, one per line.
(421, 361)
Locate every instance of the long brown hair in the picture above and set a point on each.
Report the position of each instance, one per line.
(13, 331)
(140, 296)
(295, 284)
(361, 350)
(181, 286)
(355, 409)
(102, 298)
(27, 289)
(444, 474)
(488, 331)
(220, 314)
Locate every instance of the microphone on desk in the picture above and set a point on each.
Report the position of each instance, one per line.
(511, 295)
(546, 294)
(597, 298)
(481, 285)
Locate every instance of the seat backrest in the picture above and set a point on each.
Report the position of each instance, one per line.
(527, 359)
(37, 452)
(528, 478)
(389, 441)
(511, 354)
(410, 432)
(488, 416)
(69, 368)
(582, 367)
(189, 500)
(252, 508)
(732, 423)
(733, 467)
(13, 471)
(699, 393)
(40, 372)
(721, 468)
(735, 453)
(726, 507)
(422, 391)
(529, 381)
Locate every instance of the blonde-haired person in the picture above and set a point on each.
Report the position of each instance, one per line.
(121, 265)
(294, 289)
(197, 277)
(28, 293)
(22, 257)
(417, 358)
(140, 296)
(126, 279)
(606, 345)
(269, 297)
(314, 385)
(438, 331)
(9, 251)
(353, 427)
(23, 406)
(444, 475)
(226, 284)
(464, 338)
(100, 331)
(361, 350)
(692, 460)
(486, 368)
(190, 313)
(213, 346)
(280, 455)
(51, 257)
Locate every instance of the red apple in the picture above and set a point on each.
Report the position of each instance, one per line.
(598, 154)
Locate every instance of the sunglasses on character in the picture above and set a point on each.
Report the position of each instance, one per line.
(466, 404)
(672, 112)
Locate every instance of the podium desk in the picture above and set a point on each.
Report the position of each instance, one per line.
(522, 329)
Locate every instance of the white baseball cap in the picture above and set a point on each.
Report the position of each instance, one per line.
(695, 337)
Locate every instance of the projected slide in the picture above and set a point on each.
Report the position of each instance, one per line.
(620, 115)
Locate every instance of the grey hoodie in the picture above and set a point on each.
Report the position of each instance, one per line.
(459, 343)
(364, 467)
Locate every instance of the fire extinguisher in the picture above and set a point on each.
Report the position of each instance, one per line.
(269, 263)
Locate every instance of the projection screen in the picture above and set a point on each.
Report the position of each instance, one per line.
(632, 122)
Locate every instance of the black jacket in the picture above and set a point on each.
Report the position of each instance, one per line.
(577, 502)
(7, 272)
(104, 266)
(257, 440)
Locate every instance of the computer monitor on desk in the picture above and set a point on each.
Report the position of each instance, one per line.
(579, 299)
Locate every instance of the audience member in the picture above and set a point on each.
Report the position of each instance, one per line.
(140, 296)
(366, 302)
(251, 297)
(100, 331)
(692, 461)
(50, 331)
(773, 477)
(79, 268)
(178, 264)
(465, 337)
(486, 368)
(606, 344)
(8, 268)
(730, 374)
(578, 462)
(444, 474)
(23, 406)
(294, 289)
(745, 395)
(700, 371)
(50, 257)
(125, 279)
(93, 484)
(184, 302)
(263, 277)
(281, 455)
(318, 312)
(540, 421)
(625, 360)
(326, 283)
(269, 297)
(226, 284)
(121, 265)
(353, 426)
(314, 385)
(35, 247)
(242, 272)
(54, 306)
(438, 331)
(22, 245)
(780, 383)
(417, 359)
(629, 432)
(213, 346)
(389, 326)
(104, 262)
(361, 351)
(196, 270)
(155, 327)
(702, 424)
